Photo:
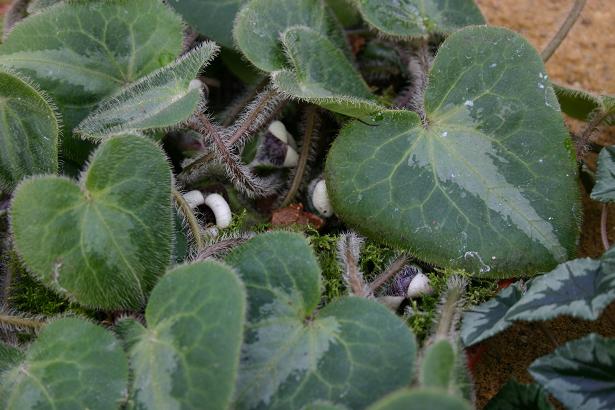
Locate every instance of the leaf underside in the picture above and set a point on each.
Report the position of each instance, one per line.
(488, 185)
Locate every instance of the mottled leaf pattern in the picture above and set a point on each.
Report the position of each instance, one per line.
(260, 23)
(487, 184)
(188, 355)
(351, 352)
(104, 242)
(483, 321)
(421, 399)
(414, 18)
(81, 52)
(72, 365)
(604, 190)
(580, 373)
(515, 396)
(161, 100)
(323, 75)
(28, 132)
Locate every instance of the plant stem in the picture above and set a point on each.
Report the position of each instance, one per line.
(357, 286)
(18, 322)
(603, 230)
(391, 271)
(247, 122)
(191, 219)
(310, 127)
(243, 102)
(564, 29)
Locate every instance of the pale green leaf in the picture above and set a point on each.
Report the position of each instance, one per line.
(102, 242)
(72, 365)
(189, 353)
(483, 321)
(437, 366)
(37, 5)
(351, 352)
(81, 52)
(28, 132)
(487, 184)
(421, 399)
(9, 356)
(212, 18)
(516, 396)
(580, 373)
(323, 75)
(415, 18)
(261, 22)
(604, 190)
(161, 100)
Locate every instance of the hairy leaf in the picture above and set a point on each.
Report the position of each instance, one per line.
(323, 75)
(437, 365)
(483, 321)
(81, 52)
(486, 184)
(9, 356)
(580, 288)
(414, 18)
(604, 190)
(515, 396)
(161, 100)
(421, 399)
(580, 373)
(212, 18)
(102, 242)
(582, 105)
(37, 5)
(261, 22)
(351, 352)
(28, 132)
(73, 364)
(189, 353)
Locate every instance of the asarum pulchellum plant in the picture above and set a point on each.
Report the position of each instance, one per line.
(132, 188)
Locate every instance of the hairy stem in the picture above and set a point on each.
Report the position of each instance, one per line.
(310, 129)
(390, 272)
(237, 108)
(355, 281)
(247, 124)
(449, 311)
(191, 219)
(603, 230)
(564, 29)
(19, 322)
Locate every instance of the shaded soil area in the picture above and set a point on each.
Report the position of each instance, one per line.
(586, 59)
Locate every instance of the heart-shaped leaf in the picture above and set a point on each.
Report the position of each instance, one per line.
(351, 352)
(102, 242)
(515, 396)
(188, 355)
(414, 18)
(421, 399)
(212, 18)
(483, 321)
(580, 373)
(73, 364)
(81, 52)
(261, 22)
(604, 190)
(28, 132)
(323, 75)
(161, 100)
(580, 288)
(486, 183)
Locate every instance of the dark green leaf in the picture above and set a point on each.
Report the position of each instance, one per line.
(261, 22)
(73, 364)
(189, 354)
(516, 396)
(102, 242)
(487, 184)
(582, 105)
(9, 356)
(351, 352)
(483, 321)
(28, 132)
(415, 18)
(580, 374)
(161, 100)
(604, 190)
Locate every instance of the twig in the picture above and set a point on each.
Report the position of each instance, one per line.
(391, 271)
(603, 231)
(310, 128)
(563, 31)
(191, 219)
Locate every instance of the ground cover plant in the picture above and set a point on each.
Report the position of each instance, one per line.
(290, 204)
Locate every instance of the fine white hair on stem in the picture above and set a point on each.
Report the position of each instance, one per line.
(220, 246)
(449, 312)
(349, 248)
